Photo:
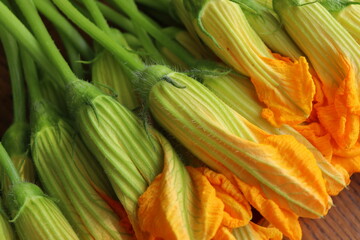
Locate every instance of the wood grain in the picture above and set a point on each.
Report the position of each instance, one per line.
(343, 219)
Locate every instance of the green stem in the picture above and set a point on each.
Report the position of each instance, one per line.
(116, 18)
(36, 24)
(143, 36)
(102, 38)
(73, 55)
(17, 83)
(155, 31)
(96, 14)
(14, 26)
(8, 166)
(31, 76)
(51, 13)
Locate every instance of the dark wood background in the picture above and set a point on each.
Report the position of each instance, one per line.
(342, 222)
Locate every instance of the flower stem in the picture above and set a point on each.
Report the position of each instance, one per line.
(31, 76)
(116, 18)
(100, 36)
(96, 14)
(36, 24)
(14, 26)
(51, 13)
(73, 55)
(17, 83)
(155, 31)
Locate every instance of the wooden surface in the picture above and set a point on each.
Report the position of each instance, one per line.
(342, 222)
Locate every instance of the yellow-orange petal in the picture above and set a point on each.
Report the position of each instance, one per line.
(253, 231)
(179, 204)
(350, 164)
(335, 179)
(340, 116)
(290, 100)
(237, 210)
(224, 234)
(317, 136)
(286, 221)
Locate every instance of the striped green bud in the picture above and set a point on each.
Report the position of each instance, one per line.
(113, 77)
(36, 217)
(130, 155)
(71, 175)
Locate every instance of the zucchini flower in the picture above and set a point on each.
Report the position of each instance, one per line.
(252, 159)
(5, 229)
(113, 77)
(129, 154)
(240, 95)
(335, 56)
(286, 87)
(347, 13)
(30, 208)
(70, 173)
(36, 217)
(190, 203)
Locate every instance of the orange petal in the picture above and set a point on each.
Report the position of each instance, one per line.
(341, 114)
(286, 221)
(126, 227)
(351, 164)
(289, 101)
(255, 232)
(179, 204)
(237, 211)
(224, 234)
(335, 179)
(317, 136)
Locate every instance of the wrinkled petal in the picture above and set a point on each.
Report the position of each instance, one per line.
(286, 221)
(187, 203)
(253, 231)
(237, 211)
(290, 101)
(335, 179)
